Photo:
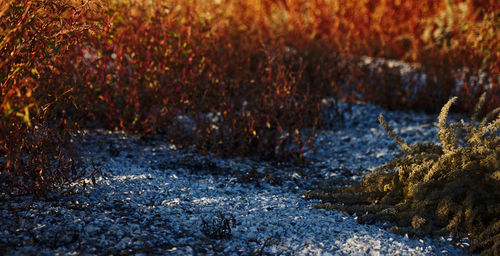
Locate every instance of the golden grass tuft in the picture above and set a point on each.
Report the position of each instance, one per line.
(432, 189)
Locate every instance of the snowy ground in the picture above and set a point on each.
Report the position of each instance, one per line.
(151, 198)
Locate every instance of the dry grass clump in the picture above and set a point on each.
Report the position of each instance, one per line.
(452, 188)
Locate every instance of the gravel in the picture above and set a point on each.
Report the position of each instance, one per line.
(151, 198)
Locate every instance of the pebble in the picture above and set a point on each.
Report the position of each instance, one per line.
(156, 202)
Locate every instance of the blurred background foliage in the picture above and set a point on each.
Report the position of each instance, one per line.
(232, 77)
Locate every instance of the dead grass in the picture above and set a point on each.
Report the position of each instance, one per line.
(431, 189)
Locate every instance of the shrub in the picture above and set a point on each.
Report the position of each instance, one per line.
(218, 228)
(232, 77)
(36, 97)
(435, 189)
(155, 62)
(249, 76)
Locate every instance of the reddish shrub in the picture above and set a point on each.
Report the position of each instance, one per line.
(34, 129)
(232, 77)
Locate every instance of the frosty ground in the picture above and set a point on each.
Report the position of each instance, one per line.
(151, 198)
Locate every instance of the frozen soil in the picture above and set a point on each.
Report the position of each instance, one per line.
(151, 198)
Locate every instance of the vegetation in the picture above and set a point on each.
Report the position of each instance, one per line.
(36, 38)
(247, 78)
(450, 188)
(232, 77)
(219, 228)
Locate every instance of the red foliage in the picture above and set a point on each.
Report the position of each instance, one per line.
(36, 38)
(232, 77)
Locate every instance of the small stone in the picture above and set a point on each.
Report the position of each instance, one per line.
(124, 243)
(252, 235)
(91, 229)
